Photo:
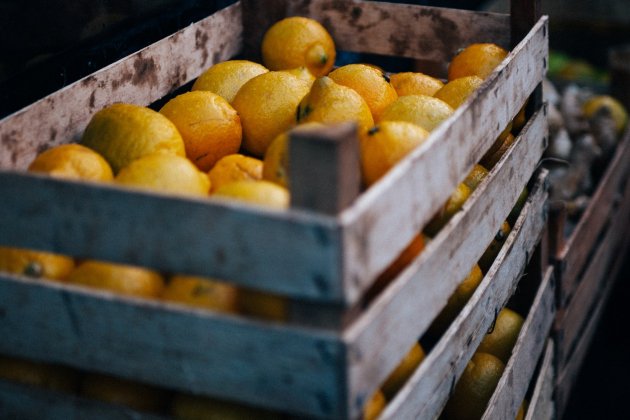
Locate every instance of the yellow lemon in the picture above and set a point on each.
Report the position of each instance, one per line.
(476, 60)
(262, 305)
(262, 192)
(331, 103)
(227, 77)
(296, 42)
(267, 107)
(209, 125)
(501, 340)
(193, 407)
(475, 176)
(491, 159)
(166, 173)
(301, 73)
(72, 161)
(457, 301)
(118, 278)
(201, 292)
(26, 262)
(412, 83)
(422, 110)
(453, 205)
(122, 133)
(42, 375)
(457, 91)
(403, 371)
(490, 254)
(235, 167)
(474, 388)
(368, 82)
(614, 107)
(123, 392)
(276, 162)
(374, 406)
(385, 144)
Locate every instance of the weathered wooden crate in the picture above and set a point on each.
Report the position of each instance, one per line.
(601, 240)
(323, 256)
(541, 404)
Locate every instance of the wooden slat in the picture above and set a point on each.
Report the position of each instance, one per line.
(428, 389)
(266, 364)
(541, 405)
(374, 234)
(140, 78)
(512, 387)
(447, 258)
(572, 258)
(286, 252)
(572, 319)
(19, 401)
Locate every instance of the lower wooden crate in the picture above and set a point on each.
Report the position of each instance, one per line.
(576, 325)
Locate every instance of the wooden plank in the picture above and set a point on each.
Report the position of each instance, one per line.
(573, 256)
(19, 401)
(262, 363)
(288, 252)
(428, 389)
(332, 184)
(448, 257)
(374, 234)
(512, 387)
(140, 78)
(541, 404)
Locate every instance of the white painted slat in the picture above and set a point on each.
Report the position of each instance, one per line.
(512, 387)
(288, 252)
(416, 187)
(286, 368)
(428, 389)
(429, 281)
(19, 401)
(141, 78)
(541, 406)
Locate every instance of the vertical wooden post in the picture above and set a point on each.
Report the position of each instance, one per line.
(523, 15)
(324, 169)
(258, 16)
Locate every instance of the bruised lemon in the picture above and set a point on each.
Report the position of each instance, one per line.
(209, 125)
(122, 133)
(37, 264)
(330, 103)
(267, 106)
(426, 111)
(227, 77)
(414, 83)
(476, 60)
(368, 82)
(298, 42)
(72, 161)
(165, 173)
(235, 167)
(385, 144)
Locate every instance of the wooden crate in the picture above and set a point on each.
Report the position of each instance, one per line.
(541, 404)
(323, 257)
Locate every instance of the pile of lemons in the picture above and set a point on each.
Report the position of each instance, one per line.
(228, 137)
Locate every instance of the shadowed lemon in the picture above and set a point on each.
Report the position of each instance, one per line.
(123, 392)
(374, 406)
(41, 375)
(403, 371)
(201, 292)
(453, 205)
(501, 340)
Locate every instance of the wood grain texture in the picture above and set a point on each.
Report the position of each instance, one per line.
(572, 258)
(141, 78)
(448, 257)
(541, 405)
(266, 364)
(286, 252)
(512, 387)
(19, 401)
(428, 389)
(374, 235)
